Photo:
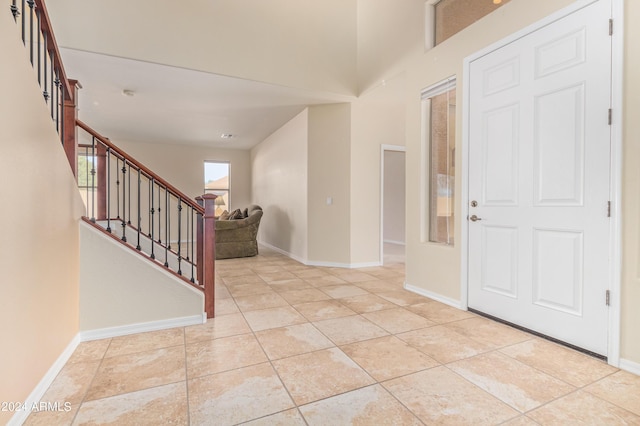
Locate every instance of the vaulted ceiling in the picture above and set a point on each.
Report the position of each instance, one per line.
(188, 72)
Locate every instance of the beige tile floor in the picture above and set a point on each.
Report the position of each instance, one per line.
(295, 345)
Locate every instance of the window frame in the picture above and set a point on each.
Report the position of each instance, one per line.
(444, 86)
(430, 21)
(225, 193)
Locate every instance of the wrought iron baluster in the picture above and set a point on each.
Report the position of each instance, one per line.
(38, 28)
(150, 205)
(151, 217)
(159, 217)
(52, 86)
(14, 10)
(31, 4)
(61, 96)
(117, 188)
(129, 219)
(109, 189)
(24, 22)
(193, 256)
(168, 211)
(124, 178)
(139, 212)
(93, 179)
(56, 99)
(187, 239)
(53, 89)
(179, 235)
(167, 236)
(86, 177)
(45, 92)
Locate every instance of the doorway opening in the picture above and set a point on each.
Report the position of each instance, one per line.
(392, 202)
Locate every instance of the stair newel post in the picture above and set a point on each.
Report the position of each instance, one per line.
(208, 257)
(199, 243)
(69, 129)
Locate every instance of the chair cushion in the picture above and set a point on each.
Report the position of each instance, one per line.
(236, 214)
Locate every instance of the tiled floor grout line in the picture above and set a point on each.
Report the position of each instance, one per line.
(336, 345)
(275, 370)
(95, 373)
(186, 374)
(397, 399)
(392, 381)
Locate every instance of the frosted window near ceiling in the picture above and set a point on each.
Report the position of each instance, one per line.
(448, 17)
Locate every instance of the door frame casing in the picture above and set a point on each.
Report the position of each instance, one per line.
(615, 243)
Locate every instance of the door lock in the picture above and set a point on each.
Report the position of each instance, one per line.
(474, 218)
(474, 203)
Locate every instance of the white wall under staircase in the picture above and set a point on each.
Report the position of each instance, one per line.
(119, 289)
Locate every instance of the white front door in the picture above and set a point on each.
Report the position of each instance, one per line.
(539, 163)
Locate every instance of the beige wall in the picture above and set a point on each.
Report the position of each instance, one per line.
(279, 170)
(120, 288)
(436, 268)
(183, 167)
(378, 118)
(389, 37)
(277, 41)
(329, 174)
(630, 297)
(39, 250)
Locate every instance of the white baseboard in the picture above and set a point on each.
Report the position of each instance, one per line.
(38, 392)
(344, 265)
(630, 366)
(104, 333)
(320, 263)
(435, 296)
(283, 252)
(400, 243)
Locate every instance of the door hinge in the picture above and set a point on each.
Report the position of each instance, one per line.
(608, 298)
(610, 116)
(610, 26)
(608, 208)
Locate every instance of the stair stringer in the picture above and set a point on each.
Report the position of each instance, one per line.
(120, 289)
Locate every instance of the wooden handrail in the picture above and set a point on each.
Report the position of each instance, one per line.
(45, 24)
(147, 171)
(64, 113)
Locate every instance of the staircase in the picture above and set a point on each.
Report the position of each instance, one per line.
(125, 200)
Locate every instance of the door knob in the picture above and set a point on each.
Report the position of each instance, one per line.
(474, 218)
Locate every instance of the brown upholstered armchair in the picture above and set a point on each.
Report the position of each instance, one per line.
(238, 238)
